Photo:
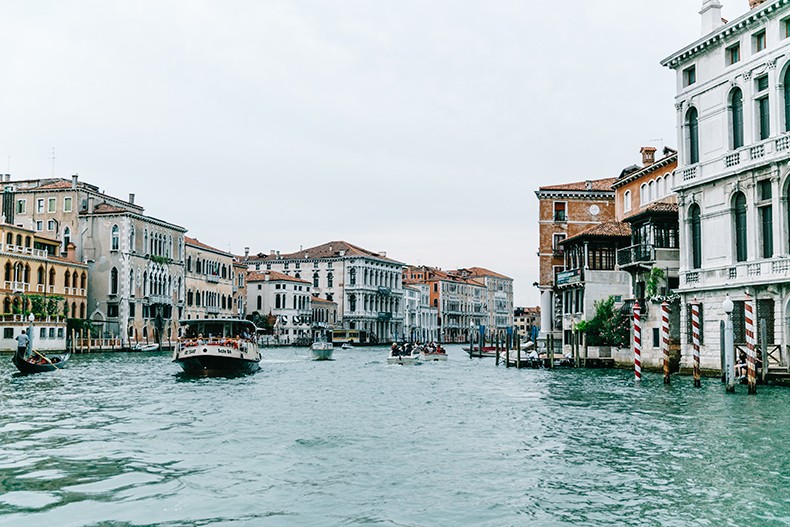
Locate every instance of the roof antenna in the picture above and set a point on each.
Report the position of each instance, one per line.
(660, 140)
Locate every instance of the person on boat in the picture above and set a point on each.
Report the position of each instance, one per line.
(21, 344)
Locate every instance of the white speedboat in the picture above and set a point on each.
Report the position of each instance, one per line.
(346, 346)
(211, 347)
(403, 356)
(321, 349)
(433, 354)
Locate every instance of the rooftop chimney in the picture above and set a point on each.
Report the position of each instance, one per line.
(588, 184)
(711, 16)
(131, 198)
(74, 179)
(246, 252)
(271, 253)
(648, 155)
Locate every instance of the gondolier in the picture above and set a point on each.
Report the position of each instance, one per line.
(21, 344)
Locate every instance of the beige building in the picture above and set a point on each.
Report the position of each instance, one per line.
(209, 276)
(135, 280)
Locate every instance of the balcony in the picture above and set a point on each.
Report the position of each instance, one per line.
(384, 316)
(745, 158)
(159, 299)
(384, 291)
(758, 272)
(17, 287)
(212, 278)
(212, 310)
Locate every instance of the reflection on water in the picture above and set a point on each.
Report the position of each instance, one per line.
(128, 440)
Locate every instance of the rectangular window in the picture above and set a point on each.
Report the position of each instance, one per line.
(52, 333)
(758, 41)
(555, 243)
(132, 309)
(21, 205)
(51, 225)
(39, 226)
(733, 54)
(656, 338)
(764, 110)
(765, 189)
(66, 204)
(60, 333)
(51, 204)
(761, 83)
(767, 223)
(559, 210)
(112, 310)
(8, 333)
(39, 206)
(689, 76)
(42, 333)
(785, 28)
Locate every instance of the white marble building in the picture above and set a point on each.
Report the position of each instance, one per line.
(420, 319)
(367, 286)
(285, 297)
(733, 116)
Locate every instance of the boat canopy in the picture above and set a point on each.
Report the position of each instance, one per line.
(218, 328)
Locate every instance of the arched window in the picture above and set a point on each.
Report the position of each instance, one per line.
(40, 275)
(315, 279)
(74, 310)
(643, 194)
(66, 238)
(82, 310)
(736, 118)
(696, 236)
(190, 297)
(9, 273)
(692, 128)
(131, 283)
(189, 263)
(9, 239)
(651, 192)
(198, 266)
(114, 281)
(19, 240)
(131, 239)
(352, 278)
(260, 302)
(198, 299)
(27, 241)
(787, 99)
(741, 254)
(74, 280)
(83, 280)
(276, 301)
(330, 278)
(116, 241)
(352, 302)
(52, 277)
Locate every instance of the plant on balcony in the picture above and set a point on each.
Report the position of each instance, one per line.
(653, 281)
(609, 326)
(162, 260)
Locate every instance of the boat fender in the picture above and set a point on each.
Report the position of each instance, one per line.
(205, 350)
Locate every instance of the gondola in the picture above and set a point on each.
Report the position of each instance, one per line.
(57, 362)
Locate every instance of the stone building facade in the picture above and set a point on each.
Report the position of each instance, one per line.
(210, 280)
(733, 177)
(286, 298)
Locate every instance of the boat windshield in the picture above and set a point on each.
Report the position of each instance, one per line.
(216, 329)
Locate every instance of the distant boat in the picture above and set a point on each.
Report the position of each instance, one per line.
(488, 351)
(146, 347)
(39, 363)
(399, 355)
(321, 349)
(215, 347)
(346, 346)
(429, 354)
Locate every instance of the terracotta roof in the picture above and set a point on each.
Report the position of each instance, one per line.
(326, 250)
(106, 208)
(197, 243)
(319, 300)
(597, 185)
(274, 276)
(609, 229)
(57, 184)
(482, 271)
(655, 208)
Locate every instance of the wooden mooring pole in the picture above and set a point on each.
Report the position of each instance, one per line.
(695, 341)
(750, 343)
(665, 339)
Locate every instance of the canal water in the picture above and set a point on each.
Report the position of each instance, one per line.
(125, 440)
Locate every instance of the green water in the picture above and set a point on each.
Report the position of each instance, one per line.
(125, 440)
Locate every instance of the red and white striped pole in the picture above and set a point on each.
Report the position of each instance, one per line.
(665, 338)
(750, 345)
(637, 342)
(695, 341)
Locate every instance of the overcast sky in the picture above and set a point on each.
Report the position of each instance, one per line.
(417, 127)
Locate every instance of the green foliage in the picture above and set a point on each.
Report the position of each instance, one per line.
(653, 281)
(609, 326)
(263, 322)
(162, 260)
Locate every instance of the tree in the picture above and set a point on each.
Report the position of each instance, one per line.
(609, 326)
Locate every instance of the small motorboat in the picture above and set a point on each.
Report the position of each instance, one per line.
(40, 363)
(217, 347)
(404, 355)
(145, 347)
(346, 346)
(321, 349)
(433, 354)
(488, 351)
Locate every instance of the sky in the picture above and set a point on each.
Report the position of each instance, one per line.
(417, 127)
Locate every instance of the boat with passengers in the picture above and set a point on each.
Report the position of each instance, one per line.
(321, 349)
(210, 347)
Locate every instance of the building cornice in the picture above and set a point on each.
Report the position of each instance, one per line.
(661, 163)
(582, 195)
(739, 25)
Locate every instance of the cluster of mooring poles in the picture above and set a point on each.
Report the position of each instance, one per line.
(728, 346)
